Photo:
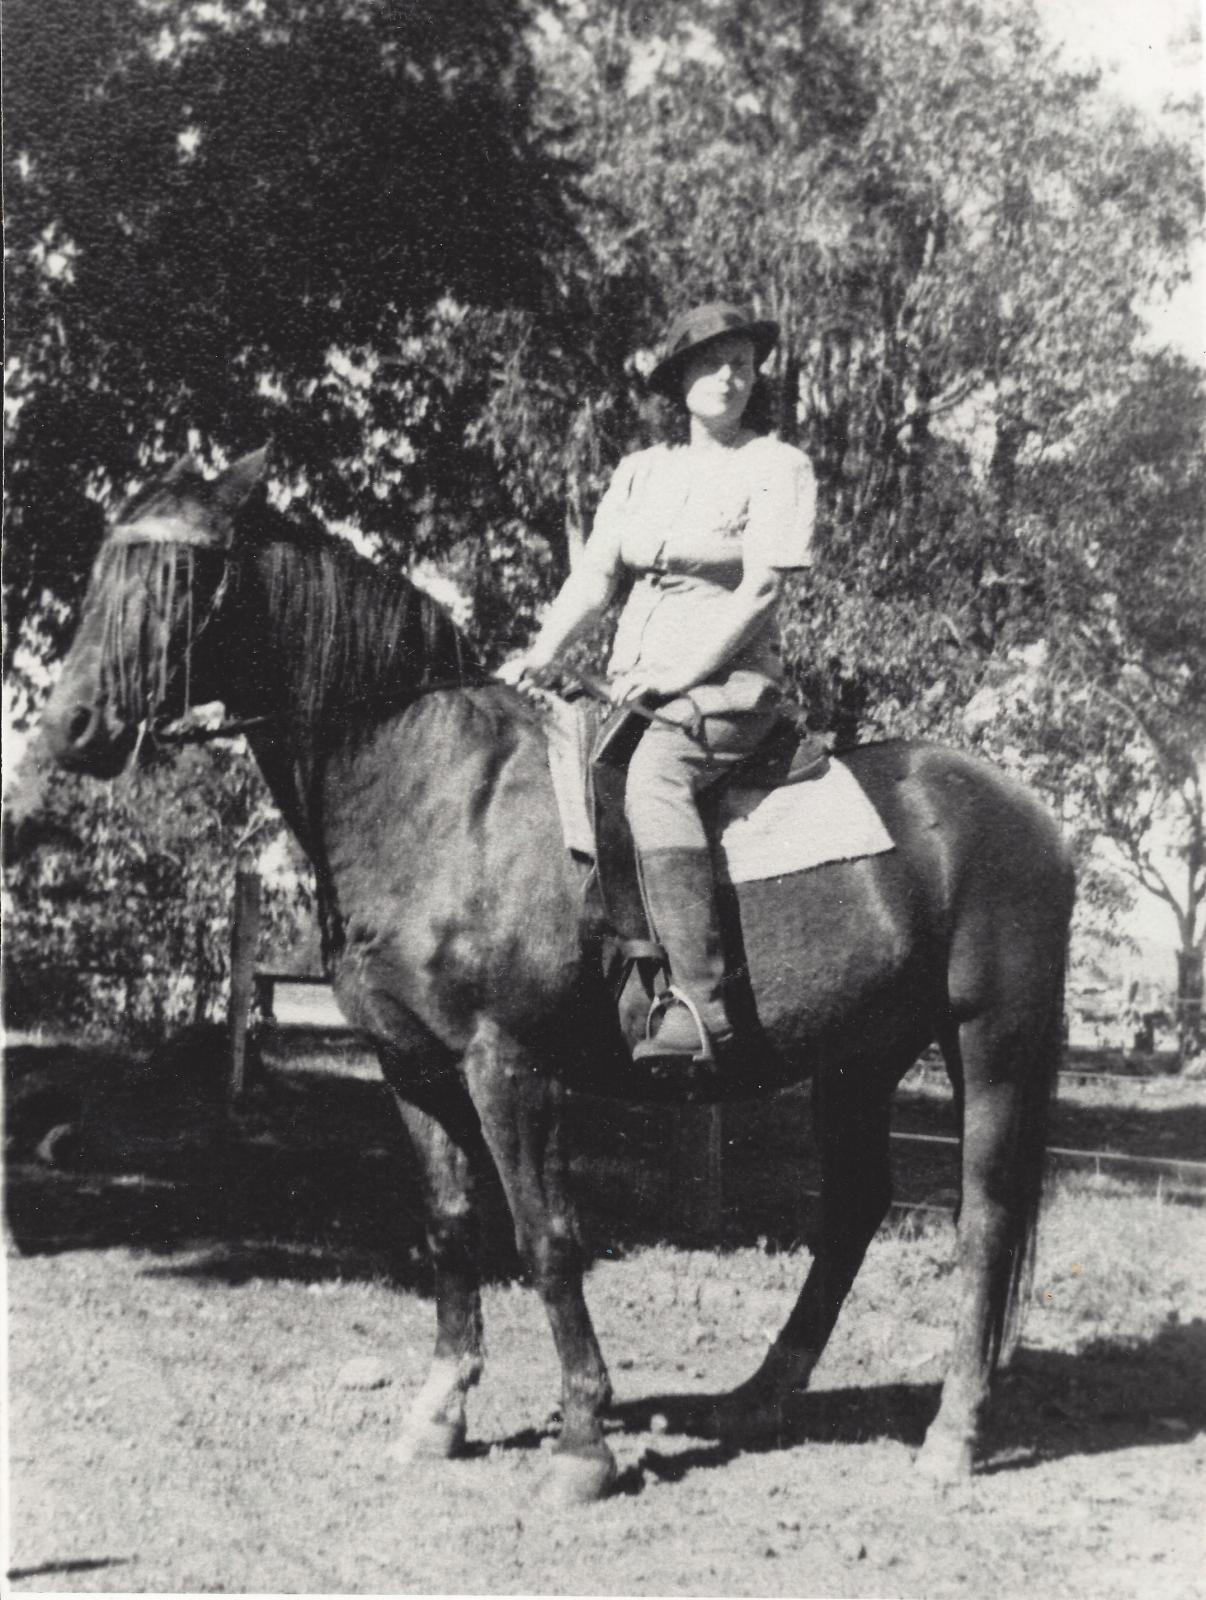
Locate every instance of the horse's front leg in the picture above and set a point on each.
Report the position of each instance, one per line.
(447, 1145)
(521, 1115)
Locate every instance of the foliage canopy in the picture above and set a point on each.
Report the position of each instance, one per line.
(428, 250)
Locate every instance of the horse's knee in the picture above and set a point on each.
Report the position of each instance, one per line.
(552, 1255)
(452, 1237)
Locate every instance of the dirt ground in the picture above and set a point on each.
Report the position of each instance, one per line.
(184, 1302)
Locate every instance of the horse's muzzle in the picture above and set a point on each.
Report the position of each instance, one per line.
(88, 738)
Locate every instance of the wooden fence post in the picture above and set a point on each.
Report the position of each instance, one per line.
(244, 945)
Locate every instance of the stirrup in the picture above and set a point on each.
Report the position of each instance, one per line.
(705, 1056)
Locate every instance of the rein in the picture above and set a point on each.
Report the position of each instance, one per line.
(596, 689)
(169, 733)
(593, 688)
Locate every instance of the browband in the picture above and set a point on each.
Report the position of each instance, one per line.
(164, 530)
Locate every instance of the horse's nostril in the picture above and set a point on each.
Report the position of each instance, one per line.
(82, 722)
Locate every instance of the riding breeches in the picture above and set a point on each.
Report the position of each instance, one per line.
(672, 768)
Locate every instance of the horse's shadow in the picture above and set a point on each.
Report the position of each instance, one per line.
(1112, 1395)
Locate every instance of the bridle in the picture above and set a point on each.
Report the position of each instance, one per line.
(154, 731)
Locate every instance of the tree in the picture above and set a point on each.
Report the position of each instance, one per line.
(959, 236)
(956, 234)
(120, 924)
(229, 223)
(212, 241)
(1115, 717)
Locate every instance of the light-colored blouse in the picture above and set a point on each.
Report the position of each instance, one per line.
(687, 522)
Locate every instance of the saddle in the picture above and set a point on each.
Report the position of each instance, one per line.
(791, 753)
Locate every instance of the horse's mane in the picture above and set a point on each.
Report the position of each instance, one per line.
(346, 640)
(356, 641)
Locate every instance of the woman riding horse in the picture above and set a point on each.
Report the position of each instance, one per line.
(458, 939)
(710, 528)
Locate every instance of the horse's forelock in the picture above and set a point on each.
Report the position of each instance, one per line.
(138, 593)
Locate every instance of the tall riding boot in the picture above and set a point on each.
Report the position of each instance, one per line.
(690, 1023)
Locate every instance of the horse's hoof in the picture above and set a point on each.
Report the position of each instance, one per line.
(945, 1462)
(428, 1441)
(576, 1480)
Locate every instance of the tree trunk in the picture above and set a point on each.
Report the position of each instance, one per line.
(1189, 1001)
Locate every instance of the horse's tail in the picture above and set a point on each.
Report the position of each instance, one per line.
(1030, 1171)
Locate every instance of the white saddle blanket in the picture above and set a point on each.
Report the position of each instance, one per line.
(770, 833)
(763, 833)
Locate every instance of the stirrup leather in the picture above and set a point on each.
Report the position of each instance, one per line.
(668, 996)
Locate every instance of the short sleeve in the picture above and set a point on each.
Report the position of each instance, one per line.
(601, 553)
(782, 510)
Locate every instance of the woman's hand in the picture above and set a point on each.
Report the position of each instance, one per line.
(531, 668)
(630, 686)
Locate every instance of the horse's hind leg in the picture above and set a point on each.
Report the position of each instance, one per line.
(522, 1122)
(448, 1148)
(850, 1130)
(1008, 1070)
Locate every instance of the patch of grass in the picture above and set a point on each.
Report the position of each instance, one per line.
(1109, 1255)
(1115, 1261)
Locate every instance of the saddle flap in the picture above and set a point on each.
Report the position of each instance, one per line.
(588, 758)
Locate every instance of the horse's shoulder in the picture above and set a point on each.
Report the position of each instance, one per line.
(484, 726)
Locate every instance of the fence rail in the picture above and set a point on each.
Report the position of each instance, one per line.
(1182, 1171)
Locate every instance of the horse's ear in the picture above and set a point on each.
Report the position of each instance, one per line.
(240, 479)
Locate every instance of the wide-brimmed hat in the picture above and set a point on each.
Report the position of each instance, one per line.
(699, 327)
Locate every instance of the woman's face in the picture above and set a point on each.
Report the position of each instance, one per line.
(718, 379)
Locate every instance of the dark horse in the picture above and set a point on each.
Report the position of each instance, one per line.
(459, 943)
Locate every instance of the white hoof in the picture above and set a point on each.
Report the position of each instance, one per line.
(428, 1441)
(579, 1480)
(944, 1462)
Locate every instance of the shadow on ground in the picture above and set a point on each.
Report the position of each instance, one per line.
(1106, 1397)
(312, 1180)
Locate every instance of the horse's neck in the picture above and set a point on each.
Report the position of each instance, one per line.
(326, 650)
(431, 770)
(334, 645)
